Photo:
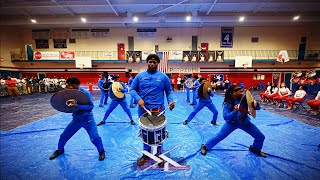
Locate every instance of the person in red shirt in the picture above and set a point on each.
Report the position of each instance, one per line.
(12, 88)
(173, 82)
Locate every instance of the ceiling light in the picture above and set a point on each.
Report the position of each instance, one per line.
(241, 19)
(296, 18)
(135, 19)
(33, 21)
(83, 19)
(188, 18)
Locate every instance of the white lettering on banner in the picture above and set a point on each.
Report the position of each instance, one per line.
(184, 70)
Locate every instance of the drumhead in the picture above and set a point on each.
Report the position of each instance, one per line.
(153, 122)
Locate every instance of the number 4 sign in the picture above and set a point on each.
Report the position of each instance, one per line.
(226, 37)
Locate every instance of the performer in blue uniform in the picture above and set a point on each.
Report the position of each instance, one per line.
(187, 88)
(235, 113)
(148, 90)
(132, 101)
(104, 95)
(81, 118)
(194, 88)
(116, 101)
(204, 102)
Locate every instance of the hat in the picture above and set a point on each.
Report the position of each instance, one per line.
(153, 57)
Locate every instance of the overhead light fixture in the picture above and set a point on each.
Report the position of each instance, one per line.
(241, 19)
(296, 18)
(188, 18)
(33, 21)
(135, 18)
(83, 19)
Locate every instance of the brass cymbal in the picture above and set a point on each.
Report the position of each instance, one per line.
(115, 87)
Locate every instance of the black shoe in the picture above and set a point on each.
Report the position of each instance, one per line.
(102, 155)
(188, 101)
(100, 123)
(132, 122)
(259, 153)
(192, 104)
(100, 105)
(56, 154)
(131, 106)
(185, 122)
(144, 159)
(214, 123)
(203, 149)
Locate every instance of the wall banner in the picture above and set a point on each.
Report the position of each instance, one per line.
(226, 37)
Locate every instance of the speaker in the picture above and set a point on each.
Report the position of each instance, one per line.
(127, 74)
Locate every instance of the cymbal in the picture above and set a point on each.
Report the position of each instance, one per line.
(61, 99)
(189, 83)
(250, 100)
(206, 87)
(115, 87)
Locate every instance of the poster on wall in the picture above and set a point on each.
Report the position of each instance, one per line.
(42, 43)
(226, 37)
(130, 56)
(64, 55)
(176, 55)
(60, 43)
(47, 55)
(186, 56)
(220, 56)
(203, 56)
(211, 56)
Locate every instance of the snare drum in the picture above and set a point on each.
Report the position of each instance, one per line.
(153, 128)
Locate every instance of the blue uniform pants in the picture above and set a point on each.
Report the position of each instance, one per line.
(194, 97)
(91, 128)
(123, 103)
(103, 98)
(201, 105)
(248, 127)
(188, 94)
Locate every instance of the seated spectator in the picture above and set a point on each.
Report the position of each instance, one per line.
(267, 92)
(284, 93)
(274, 93)
(315, 104)
(298, 97)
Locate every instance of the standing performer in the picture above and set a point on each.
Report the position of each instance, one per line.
(148, 89)
(188, 88)
(194, 88)
(132, 101)
(204, 102)
(235, 113)
(104, 95)
(117, 100)
(83, 117)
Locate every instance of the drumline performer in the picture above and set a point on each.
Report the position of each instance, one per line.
(82, 117)
(117, 94)
(235, 113)
(204, 93)
(148, 90)
(188, 85)
(103, 92)
(194, 88)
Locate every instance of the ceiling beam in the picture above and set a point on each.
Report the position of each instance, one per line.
(212, 6)
(113, 9)
(163, 8)
(65, 8)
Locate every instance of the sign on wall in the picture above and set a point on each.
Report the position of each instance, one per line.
(41, 55)
(67, 55)
(60, 43)
(226, 37)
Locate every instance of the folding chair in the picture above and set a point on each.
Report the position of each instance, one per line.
(300, 104)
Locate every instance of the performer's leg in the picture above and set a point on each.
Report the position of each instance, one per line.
(256, 134)
(106, 95)
(102, 96)
(214, 110)
(194, 97)
(125, 107)
(199, 106)
(92, 131)
(70, 130)
(111, 107)
(224, 132)
(188, 94)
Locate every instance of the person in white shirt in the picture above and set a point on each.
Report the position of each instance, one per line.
(284, 93)
(315, 104)
(3, 87)
(179, 83)
(267, 92)
(274, 93)
(298, 97)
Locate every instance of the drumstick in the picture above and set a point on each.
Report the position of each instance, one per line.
(147, 111)
(164, 110)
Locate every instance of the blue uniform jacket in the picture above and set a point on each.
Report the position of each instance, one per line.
(124, 90)
(151, 87)
(207, 99)
(84, 112)
(100, 84)
(130, 81)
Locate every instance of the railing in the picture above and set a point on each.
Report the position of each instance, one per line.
(228, 55)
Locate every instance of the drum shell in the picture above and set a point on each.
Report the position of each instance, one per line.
(153, 135)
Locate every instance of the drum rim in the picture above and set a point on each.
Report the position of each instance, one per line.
(155, 128)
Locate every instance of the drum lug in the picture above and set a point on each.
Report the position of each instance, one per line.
(166, 134)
